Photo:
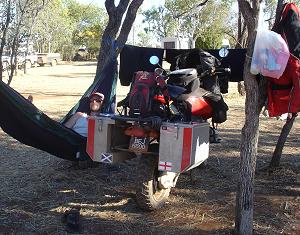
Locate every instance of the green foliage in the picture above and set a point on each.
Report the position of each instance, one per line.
(65, 25)
(206, 24)
(53, 28)
(89, 21)
(213, 24)
(144, 40)
(159, 22)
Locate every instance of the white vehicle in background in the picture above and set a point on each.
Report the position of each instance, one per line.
(48, 58)
(29, 61)
(5, 62)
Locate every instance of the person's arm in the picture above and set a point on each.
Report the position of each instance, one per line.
(71, 122)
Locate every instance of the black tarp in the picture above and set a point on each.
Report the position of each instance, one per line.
(135, 58)
(24, 122)
(234, 60)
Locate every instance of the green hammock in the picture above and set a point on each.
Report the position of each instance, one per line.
(27, 124)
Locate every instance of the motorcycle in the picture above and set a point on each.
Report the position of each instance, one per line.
(170, 135)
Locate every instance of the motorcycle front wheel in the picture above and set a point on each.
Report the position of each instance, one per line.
(149, 195)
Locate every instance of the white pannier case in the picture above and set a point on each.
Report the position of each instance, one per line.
(182, 146)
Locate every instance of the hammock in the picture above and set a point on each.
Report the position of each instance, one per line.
(27, 124)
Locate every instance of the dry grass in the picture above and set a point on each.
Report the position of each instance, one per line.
(38, 188)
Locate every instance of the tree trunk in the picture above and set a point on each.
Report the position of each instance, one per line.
(240, 43)
(111, 46)
(250, 131)
(3, 36)
(279, 9)
(281, 141)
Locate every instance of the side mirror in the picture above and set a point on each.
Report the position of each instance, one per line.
(154, 60)
(223, 52)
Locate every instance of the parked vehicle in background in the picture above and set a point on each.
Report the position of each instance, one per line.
(29, 61)
(81, 54)
(5, 62)
(48, 58)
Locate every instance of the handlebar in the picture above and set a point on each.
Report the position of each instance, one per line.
(209, 72)
(214, 71)
(223, 70)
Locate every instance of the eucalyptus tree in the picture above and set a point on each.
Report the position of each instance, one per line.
(89, 21)
(144, 39)
(117, 30)
(213, 24)
(159, 22)
(6, 16)
(53, 29)
(203, 21)
(16, 27)
(250, 131)
(65, 25)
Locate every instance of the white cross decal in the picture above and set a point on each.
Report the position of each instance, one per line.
(106, 158)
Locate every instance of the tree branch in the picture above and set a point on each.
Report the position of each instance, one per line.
(129, 19)
(247, 11)
(281, 141)
(187, 11)
(121, 8)
(110, 7)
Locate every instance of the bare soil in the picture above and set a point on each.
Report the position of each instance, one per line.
(38, 188)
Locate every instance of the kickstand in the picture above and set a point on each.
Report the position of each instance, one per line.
(214, 135)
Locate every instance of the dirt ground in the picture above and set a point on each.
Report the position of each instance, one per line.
(38, 188)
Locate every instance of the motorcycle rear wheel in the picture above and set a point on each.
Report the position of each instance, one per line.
(149, 196)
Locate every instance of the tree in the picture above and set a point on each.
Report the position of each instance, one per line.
(209, 31)
(191, 19)
(66, 25)
(89, 22)
(112, 42)
(160, 22)
(144, 39)
(16, 27)
(275, 161)
(53, 29)
(5, 16)
(250, 131)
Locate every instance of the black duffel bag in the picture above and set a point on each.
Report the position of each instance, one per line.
(219, 106)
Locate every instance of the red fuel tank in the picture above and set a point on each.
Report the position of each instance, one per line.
(200, 107)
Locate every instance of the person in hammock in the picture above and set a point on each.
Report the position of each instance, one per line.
(79, 122)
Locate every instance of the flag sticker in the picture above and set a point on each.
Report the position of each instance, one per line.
(165, 166)
(106, 158)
